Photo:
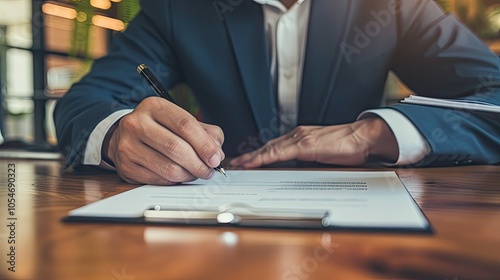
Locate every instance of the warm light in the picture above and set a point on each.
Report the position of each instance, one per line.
(101, 4)
(59, 11)
(107, 22)
(81, 17)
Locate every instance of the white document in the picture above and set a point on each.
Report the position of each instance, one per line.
(352, 199)
(461, 104)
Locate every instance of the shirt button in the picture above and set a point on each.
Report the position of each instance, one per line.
(96, 156)
(288, 75)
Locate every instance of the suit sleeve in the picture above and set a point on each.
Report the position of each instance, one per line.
(437, 56)
(113, 83)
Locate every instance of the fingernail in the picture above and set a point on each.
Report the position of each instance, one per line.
(214, 161)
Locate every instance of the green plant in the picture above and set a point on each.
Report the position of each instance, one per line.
(126, 11)
(445, 4)
(480, 22)
(81, 39)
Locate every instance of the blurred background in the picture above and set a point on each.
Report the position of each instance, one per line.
(45, 46)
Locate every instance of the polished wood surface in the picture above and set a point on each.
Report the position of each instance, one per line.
(462, 204)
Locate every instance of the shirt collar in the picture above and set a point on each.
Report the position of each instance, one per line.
(276, 3)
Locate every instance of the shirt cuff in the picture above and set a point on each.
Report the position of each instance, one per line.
(94, 144)
(412, 145)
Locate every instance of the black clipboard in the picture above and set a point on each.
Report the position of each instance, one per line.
(242, 216)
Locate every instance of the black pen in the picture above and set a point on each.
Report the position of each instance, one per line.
(160, 91)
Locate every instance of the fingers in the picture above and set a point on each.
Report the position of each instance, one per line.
(342, 144)
(217, 135)
(186, 127)
(163, 144)
(176, 149)
(284, 148)
(139, 175)
(215, 132)
(140, 164)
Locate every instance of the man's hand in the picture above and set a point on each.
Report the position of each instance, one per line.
(160, 143)
(350, 144)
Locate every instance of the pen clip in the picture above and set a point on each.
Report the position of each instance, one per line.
(153, 82)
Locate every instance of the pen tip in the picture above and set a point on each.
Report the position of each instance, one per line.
(221, 170)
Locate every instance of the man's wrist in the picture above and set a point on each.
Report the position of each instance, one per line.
(383, 145)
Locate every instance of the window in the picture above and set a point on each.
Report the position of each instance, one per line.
(45, 46)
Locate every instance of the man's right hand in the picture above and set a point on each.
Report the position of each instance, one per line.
(160, 143)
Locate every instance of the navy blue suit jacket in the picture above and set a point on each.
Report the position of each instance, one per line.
(219, 49)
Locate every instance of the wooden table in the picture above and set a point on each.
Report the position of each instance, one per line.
(462, 203)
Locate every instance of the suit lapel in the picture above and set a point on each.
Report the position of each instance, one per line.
(245, 27)
(328, 26)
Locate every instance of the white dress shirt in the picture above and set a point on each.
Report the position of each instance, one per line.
(286, 32)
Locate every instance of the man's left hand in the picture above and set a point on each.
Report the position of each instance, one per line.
(350, 144)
